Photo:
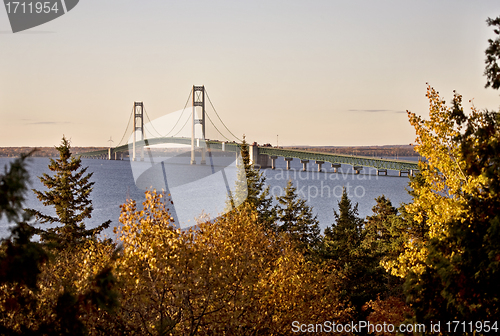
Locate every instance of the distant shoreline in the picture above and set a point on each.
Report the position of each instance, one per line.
(44, 151)
(376, 151)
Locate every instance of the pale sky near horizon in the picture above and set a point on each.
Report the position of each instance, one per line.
(324, 72)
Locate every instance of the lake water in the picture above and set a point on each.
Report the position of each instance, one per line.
(323, 190)
(114, 183)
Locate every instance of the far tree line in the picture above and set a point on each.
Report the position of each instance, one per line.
(375, 151)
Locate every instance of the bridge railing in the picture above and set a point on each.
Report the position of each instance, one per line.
(364, 161)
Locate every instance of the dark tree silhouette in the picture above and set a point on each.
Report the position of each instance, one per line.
(492, 70)
(296, 217)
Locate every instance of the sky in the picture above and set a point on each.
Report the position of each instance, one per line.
(318, 72)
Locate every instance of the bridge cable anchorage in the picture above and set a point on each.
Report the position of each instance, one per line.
(125, 133)
(185, 105)
(220, 118)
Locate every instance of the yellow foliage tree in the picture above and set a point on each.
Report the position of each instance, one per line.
(391, 310)
(451, 256)
(71, 296)
(441, 193)
(228, 276)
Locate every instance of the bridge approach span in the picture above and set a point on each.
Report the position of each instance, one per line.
(266, 156)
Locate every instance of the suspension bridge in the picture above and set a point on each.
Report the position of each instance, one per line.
(144, 139)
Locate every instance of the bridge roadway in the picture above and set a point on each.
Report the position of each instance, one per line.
(382, 165)
(124, 149)
(265, 156)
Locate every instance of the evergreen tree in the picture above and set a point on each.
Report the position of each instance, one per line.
(295, 217)
(384, 230)
(13, 187)
(376, 224)
(20, 258)
(343, 239)
(69, 193)
(384, 234)
(251, 186)
(492, 71)
(343, 245)
(24, 310)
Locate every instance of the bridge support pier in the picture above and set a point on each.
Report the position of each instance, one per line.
(304, 164)
(319, 163)
(273, 161)
(288, 163)
(381, 171)
(335, 167)
(203, 152)
(257, 159)
(401, 172)
(357, 169)
(223, 146)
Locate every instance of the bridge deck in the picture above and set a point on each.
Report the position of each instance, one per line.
(363, 161)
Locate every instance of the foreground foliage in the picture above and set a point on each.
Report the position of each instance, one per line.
(492, 70)
(451, 262)
(45, 291)
(229, 277)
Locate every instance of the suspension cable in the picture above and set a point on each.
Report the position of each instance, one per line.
(125, 133)
(220, 118)
(189, 117)
(147, 116)
(217, 128)
(190, 92)
(180, 117)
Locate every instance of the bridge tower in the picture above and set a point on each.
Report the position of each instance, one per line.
(138, 127)
(198, 101)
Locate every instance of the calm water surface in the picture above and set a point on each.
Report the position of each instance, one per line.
(114, 183)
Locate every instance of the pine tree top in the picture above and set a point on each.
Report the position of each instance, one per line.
(68, 192)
